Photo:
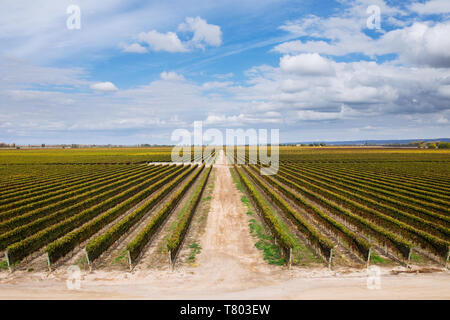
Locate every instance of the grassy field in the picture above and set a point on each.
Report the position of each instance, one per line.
(87, 155)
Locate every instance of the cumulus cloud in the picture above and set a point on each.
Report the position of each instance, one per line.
(431, 7)
(239, 120)
(306, 64)
(409, 95)
(162, 41)
(444, 91)
(104, 86)
(442, 120)
(216, 85)
(421, 44)
(309, 115)
(203, 33)
(134, 48)
(367, 94)
(171, 76)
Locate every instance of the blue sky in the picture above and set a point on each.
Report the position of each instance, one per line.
(137, 70)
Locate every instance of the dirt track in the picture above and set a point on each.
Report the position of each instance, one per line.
(229, 257)
(229, 267)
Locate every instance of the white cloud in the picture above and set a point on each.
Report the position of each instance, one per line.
(224, 75)
(373, 95)
(171, 76)
(216, 85)
(204, 33)
(310, 115)
(104, 86)
(162, 41)
(239, 120)
(306, 64)
(22, 74)
(134, 48)
(442, 120)
(444, 91)
(366, 94)
(407, 94)
(421, 44)
(431, 7)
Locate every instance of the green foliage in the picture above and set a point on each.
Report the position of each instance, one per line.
(278, 228)
(354, 241)
(195, 249)
(323, 245)
(436, 244)
(62, 246)
(3, 265)
(376, 259)
(100, 244)
(21, 249)
(271, 252)
(183, 222)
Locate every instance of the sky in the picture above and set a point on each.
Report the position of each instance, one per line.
(132, 72)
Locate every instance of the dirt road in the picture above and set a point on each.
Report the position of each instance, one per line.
(229, 258)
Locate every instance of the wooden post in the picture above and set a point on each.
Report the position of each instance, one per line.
(329, 260)
(48, 263)
(290, 258)
(130, 263)
(170, 260)
(409, 257)
(89, 262)
(448, 256)
(7, 261)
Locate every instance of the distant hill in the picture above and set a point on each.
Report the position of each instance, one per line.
(372, 142)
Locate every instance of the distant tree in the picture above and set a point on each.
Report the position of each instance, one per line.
(43, 145)
(322, 144)
(444, 145)
(421, 144)
(432, 145)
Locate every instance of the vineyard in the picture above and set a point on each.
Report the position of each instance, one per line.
(354, 206)
(122, 208)
(67, 208)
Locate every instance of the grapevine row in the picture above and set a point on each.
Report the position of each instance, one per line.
(23, 248)
(98, 245)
